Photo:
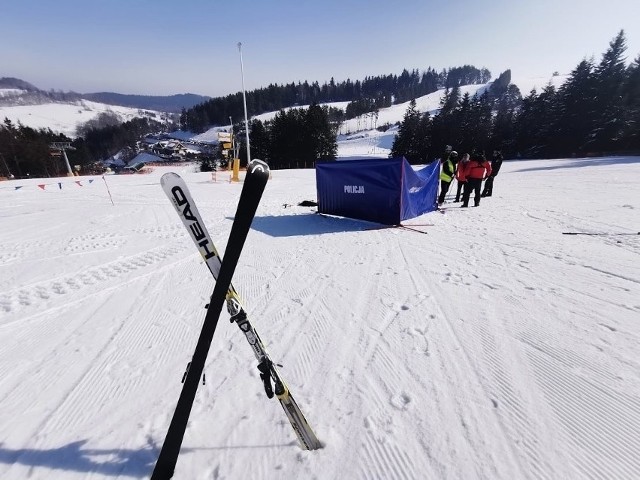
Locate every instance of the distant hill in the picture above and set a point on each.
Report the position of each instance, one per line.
(10, 82)
(171, 103)
(25, 93)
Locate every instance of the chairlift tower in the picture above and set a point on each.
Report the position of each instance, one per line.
(59, 148)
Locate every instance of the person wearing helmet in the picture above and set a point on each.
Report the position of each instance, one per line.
(447, 173)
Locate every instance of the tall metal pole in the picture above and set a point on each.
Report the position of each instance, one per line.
(244, 99)
(66, 161)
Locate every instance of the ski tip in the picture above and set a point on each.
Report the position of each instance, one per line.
(169, 175)
(258, 167)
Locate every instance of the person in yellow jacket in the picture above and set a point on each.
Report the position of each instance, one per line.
(446, 174)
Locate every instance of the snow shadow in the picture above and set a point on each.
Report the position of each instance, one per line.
(582, 162)
(310, 224)
(74, 458)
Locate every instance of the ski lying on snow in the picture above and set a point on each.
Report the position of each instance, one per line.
(177, 191)
(604, 234)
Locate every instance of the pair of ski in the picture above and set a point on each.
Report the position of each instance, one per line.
(222, 271)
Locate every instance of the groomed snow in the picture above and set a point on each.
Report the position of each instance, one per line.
(491, 347)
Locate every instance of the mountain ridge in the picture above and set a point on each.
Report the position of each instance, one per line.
(33, 95)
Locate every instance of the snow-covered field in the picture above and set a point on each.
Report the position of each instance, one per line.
(67, 117)
(492, 347)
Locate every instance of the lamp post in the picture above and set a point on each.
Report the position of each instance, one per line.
(244, 99)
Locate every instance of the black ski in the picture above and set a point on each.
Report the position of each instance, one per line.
(254, 184)
(604, 234)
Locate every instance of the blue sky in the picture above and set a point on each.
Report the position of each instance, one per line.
(158, 47)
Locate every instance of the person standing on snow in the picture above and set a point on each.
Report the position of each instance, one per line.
(496, 163)
(459, 178)
(476, 170)
(446, 175)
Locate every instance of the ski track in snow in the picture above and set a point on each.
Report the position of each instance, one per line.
(493, 347)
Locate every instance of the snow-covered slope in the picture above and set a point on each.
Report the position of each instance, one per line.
(493, 346)
(67, 117)
(526, 84)
(6, 93)
(390, 115)
(358, 137)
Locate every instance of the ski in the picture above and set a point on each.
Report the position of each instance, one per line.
(177, 191)
(254, 184)
(604, 234)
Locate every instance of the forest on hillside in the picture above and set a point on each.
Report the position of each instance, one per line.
(374, 92)
(25, 151)
(595, 112)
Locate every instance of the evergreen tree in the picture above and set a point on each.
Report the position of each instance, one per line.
(422, 138)
(405, 144)
(480, 125)
(259, 138)
(300, 137)
(444, 126)
(319, 138)
(183, 119)
(631, 102)
(610, 78)
(285, 139)
(536, 122)
(503, 126)
(464, 119)
(576, 109)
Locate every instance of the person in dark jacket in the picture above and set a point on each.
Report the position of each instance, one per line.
(496, 163)
(476, 170)
(446, 175)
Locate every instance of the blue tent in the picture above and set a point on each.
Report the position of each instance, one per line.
(383, 190)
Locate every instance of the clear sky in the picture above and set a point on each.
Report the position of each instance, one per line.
(160, 47)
